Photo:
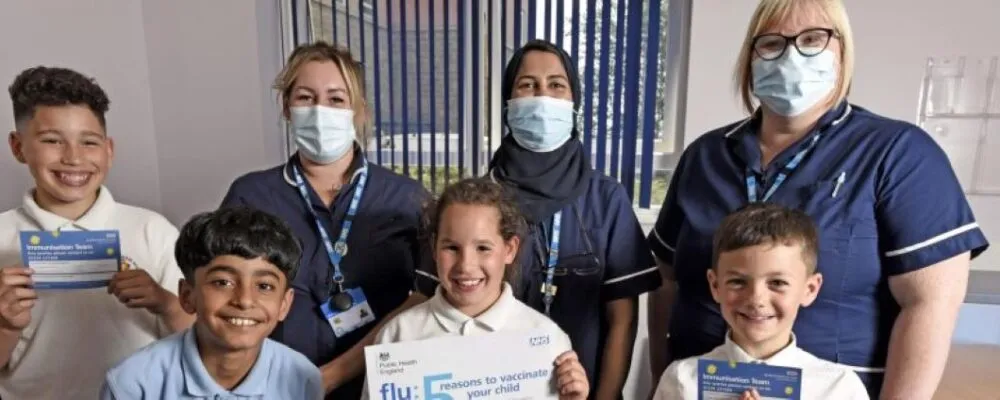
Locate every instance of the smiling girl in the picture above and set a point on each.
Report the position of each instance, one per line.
(475, 231)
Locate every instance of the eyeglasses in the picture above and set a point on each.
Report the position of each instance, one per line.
(809, 43)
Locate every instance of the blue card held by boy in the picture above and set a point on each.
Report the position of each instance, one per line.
(725, 380)
(71, 259)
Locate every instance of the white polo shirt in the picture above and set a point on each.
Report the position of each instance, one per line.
(75, 336)
(821, 379)
(436, 317)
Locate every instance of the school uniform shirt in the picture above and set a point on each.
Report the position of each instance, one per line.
(172, 368)
(383, 250)
(436, 317)
(821, 379)
(885, 201)
(76, 335)
(603, 256)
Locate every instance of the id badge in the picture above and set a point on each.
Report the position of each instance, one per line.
(344, 322)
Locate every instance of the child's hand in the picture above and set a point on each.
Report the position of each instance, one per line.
(16, 298)
(136, 289)
(750, 394)
(571, 378)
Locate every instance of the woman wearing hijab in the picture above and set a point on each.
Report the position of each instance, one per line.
(585, 260)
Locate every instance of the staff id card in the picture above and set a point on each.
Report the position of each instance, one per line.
(344, 322)
(726, 380)
(71, 259)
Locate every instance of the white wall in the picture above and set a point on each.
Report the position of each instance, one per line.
(892, 48)
(188, 82)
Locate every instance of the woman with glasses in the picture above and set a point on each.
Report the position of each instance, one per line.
(896, 232)
(585, 260)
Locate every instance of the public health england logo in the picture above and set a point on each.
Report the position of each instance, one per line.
(383, 356)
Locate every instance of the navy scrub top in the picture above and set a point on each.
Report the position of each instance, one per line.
(611, 262)
(899, 209)
(383, 251)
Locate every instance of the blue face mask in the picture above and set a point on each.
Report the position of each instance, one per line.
(540, 124)
(322, 134)
(793, 84)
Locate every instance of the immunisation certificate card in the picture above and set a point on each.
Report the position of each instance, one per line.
(726, 380)
(71, 259)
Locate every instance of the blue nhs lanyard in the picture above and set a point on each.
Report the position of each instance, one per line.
(336, 251)
(550, 270)
(782, 175)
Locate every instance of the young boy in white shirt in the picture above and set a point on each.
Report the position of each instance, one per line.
(475, 231)
(764, 269)
(59, 343)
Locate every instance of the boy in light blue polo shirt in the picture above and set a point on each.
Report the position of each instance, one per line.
(237, 265)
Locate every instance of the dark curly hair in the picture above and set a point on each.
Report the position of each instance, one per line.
(481, 192)
(52, 86)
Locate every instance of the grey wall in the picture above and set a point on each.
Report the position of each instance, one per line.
(189, 87)
(101, 38)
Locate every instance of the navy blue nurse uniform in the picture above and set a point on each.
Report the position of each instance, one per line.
(383, 251)
(603, 256)
(883, 196)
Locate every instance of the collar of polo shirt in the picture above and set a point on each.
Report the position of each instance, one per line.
(493, 319)
(96, 218)
(785, 357)
(198, 382)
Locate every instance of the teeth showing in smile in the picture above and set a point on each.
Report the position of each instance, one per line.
(73, 178)
(468, 282)
(756, 318)
(241, 321)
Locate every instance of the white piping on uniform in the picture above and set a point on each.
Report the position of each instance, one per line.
(290, 181)
(630, 276)
(737, 127)
(843, 116)
(863, 370)
(427, 275)
(847, 112)
(933, 240)
(663, 242)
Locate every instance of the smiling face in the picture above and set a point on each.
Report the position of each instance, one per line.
(472, 256)
(68, 153)
(760, 289)
(238, 302)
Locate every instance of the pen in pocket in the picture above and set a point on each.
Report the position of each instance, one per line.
(840, 182)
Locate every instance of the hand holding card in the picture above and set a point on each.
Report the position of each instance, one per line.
(17, 298)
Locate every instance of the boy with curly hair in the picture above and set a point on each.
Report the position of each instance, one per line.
(59, 343)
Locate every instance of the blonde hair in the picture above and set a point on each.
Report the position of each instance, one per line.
(351, 69)
(772, 12)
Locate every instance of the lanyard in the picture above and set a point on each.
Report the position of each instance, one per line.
(782, 175)
(550, 290)
(336, 251)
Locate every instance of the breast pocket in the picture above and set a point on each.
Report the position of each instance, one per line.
(830, 209)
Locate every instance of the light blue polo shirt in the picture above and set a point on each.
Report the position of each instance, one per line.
(172, 369)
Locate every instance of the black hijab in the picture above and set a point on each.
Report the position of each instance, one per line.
(542, 182)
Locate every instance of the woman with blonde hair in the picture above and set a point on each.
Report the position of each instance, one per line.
(357, 222)
(896, 232)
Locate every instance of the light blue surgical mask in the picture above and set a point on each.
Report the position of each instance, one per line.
(540, 123)
(322, 134)
(794, 83)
